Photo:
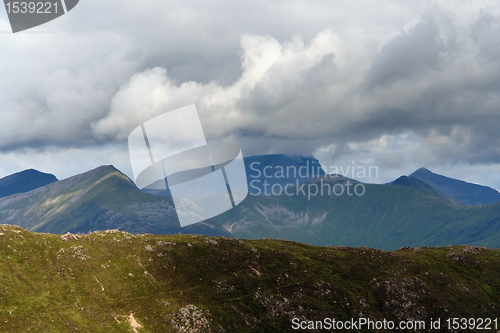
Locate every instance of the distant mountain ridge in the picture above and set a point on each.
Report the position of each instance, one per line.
(424, 187)
(385, 217)
(264, 171)
(99, 199)
(467, 193)
(409, 212)
(24, 181)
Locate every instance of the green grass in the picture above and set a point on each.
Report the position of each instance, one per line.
(48, 284)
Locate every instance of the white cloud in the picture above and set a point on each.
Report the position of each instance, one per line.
(283, 88)
(399, 84)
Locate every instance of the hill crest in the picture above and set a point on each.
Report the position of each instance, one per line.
(100, 199)
(465, 192)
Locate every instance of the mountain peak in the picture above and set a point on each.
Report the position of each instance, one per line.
(107, 168)
(28, 172)
(100, 171)
(421, 170)
(468, 193)
(422, 186)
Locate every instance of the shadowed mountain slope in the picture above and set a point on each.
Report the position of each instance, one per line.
(470, 194)
(100, 199)
(24, 181)
(263, 171)
(408, 213)
(280, 169)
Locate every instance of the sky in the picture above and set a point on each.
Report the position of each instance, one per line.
(393, 84)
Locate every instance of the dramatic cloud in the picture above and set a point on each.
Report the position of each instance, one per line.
(389, 84)
(51, 98)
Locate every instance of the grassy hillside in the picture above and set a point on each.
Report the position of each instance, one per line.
(24, 181)
(118, 282)
(385, 217)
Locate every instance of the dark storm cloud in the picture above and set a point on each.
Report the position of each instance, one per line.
(299, 95)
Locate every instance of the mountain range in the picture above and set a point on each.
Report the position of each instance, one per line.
(264, 171)
(423, 209)
(100, 199)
